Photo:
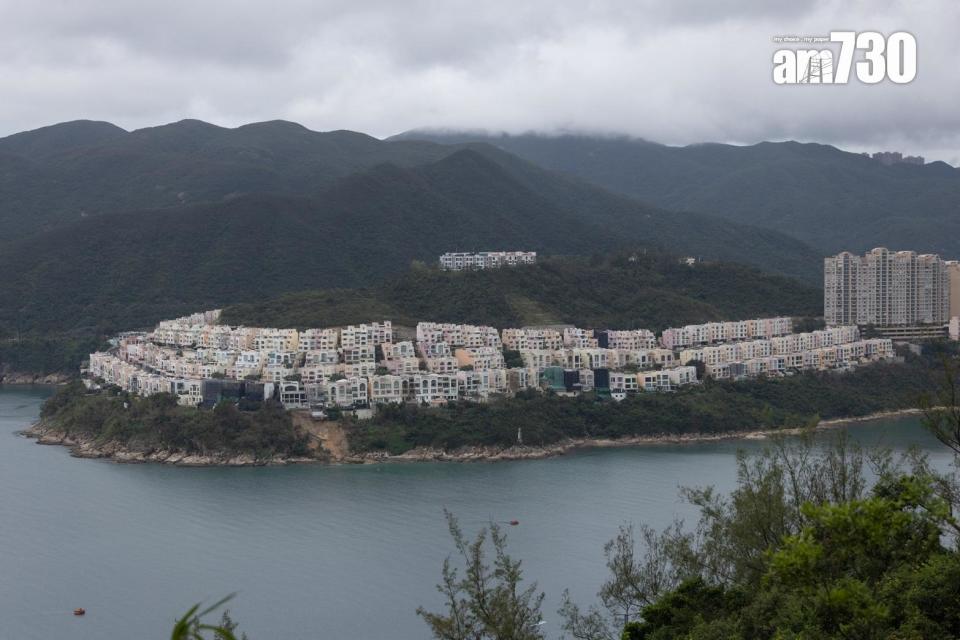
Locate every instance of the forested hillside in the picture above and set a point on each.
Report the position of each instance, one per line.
(66, 172)
(120, 271)
(247, 214)
(830, 199)
(624, 291)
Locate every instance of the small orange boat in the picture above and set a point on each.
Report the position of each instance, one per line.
(79, 611)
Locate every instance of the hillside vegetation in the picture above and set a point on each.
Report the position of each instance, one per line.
(62, 173)
(244, 215)
(830, 199)
(67, 173)
(127, 270)
(158, 423)
(623, 291)
(711, 408)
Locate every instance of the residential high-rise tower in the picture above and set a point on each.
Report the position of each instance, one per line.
(886, 288)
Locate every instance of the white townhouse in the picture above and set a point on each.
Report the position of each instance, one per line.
(360, 369)
(662, 357)
(398, 350)
(434, 349)
(477, 336)
(293, 395)
(403, 366)
(219, 336)
(434, 388)
(574, 337)
(387, 389)
(281, 358)
(319, 340)
(532, 339)
(277, 373)
(480, 358)
(242, 338)
(458, 335)
(654, 380)
(222, 357)
(321, 357)
(429, 333)
(249, 363)
(518, 379)
(597, 358)
(443, 364)
(366, 334)
(188, 391)
(623, 381)
(348, 392)
(473, 384)
(319, 373)
(679, 376)
(587, 379)
(277, 340)
(631, 340)
(568, 358)
(537, 359)
(878, 348)
(359, 353)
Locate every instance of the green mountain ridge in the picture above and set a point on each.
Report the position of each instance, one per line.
(830, 199)
(58, 174)
(104, 230)
(66, 173)
(121, 271)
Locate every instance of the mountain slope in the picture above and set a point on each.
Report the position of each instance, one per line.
(652, 291)
(58, 138)
(126, 270)
(60, 174)
(830, 199)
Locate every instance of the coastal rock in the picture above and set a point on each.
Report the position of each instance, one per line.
(89, 448)
(20, 377)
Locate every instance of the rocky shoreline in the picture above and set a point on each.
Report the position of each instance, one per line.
(87, 448)
(19, 377)
(494, 454)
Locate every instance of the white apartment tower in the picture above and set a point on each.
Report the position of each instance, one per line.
(886, 289)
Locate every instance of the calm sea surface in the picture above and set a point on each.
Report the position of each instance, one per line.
(313, 551)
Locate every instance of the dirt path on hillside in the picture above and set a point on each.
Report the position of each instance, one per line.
(324, 434)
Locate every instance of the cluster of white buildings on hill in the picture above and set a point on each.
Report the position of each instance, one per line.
(710, 332)
(825, 349)
(486, 260)
(359, 366)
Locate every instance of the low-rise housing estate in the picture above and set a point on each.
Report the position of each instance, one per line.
(711, 332)
(361, 366)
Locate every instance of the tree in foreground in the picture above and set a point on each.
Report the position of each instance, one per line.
(191, 625)
(803, 547)
(484, 598)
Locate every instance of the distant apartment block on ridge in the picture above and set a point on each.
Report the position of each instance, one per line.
(486, 260)
(889, 158)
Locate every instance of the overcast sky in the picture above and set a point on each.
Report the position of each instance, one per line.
(678, 71)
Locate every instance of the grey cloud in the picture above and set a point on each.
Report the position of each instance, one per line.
(678, 72)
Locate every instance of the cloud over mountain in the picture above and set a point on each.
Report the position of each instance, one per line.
(676, 72)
